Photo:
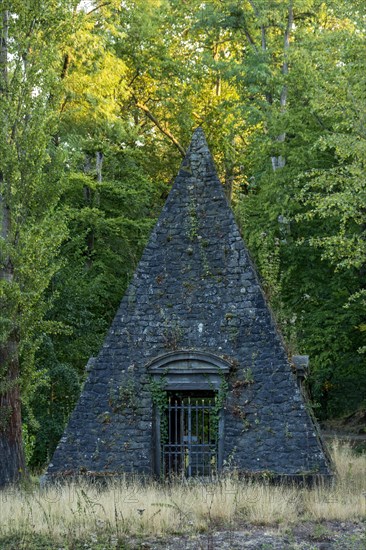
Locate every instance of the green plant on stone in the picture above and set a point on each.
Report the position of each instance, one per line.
(248, 376)
(220, 399)
(233, 332)
(288, 434)
(189, 286)
(246, 425)
(204, 260)
(193, 223)
(172, 334)
(229, 462)
(105, 418)
(158, 393)
(124, 396)
(159, 398)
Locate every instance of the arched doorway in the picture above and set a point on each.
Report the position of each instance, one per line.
(188, 392)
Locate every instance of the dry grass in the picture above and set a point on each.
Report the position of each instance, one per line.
(76, 511)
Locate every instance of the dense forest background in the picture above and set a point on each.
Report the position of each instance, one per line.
(98, 101)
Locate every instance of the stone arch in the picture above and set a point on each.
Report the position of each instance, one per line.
(189, 369)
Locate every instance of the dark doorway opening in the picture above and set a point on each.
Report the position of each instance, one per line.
(190, 434)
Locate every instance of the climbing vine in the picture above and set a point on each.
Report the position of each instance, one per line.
(160, 400)
(220, 399)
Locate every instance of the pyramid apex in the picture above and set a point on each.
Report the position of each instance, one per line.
(198, 139)
(198, 161)
(199, 130)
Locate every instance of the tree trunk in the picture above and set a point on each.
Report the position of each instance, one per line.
(216, 57)
(12, 461)
(98, 165)
(276, 161)
(88, 200)
(229, 180)
(280, 161)
(91, 201)
(4, 51)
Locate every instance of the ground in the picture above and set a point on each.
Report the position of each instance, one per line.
(305, 536)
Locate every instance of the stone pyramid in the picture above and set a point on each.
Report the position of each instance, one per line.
(194, 318)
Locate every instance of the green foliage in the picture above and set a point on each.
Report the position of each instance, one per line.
(32, 225)
(304, 223)
(216, 411)
(32, 177)
(158, 393)
(29, 442)
(48, 403)
(96, 107)
(159, 398)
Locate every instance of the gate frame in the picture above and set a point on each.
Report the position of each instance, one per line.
(187, 371)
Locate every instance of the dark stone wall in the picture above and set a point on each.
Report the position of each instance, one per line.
(194, 289)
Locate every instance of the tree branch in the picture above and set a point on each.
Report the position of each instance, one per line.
(286, 46)
(137, 74)
(249, 38)
(165, 131)
(98, 8)
(65, 66)
(255, 9)
(289, 26)
(263, 28)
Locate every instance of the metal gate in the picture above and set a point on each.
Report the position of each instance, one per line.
(190, 445)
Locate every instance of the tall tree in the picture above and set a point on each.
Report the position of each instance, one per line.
(110, 203)
(32, 228)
